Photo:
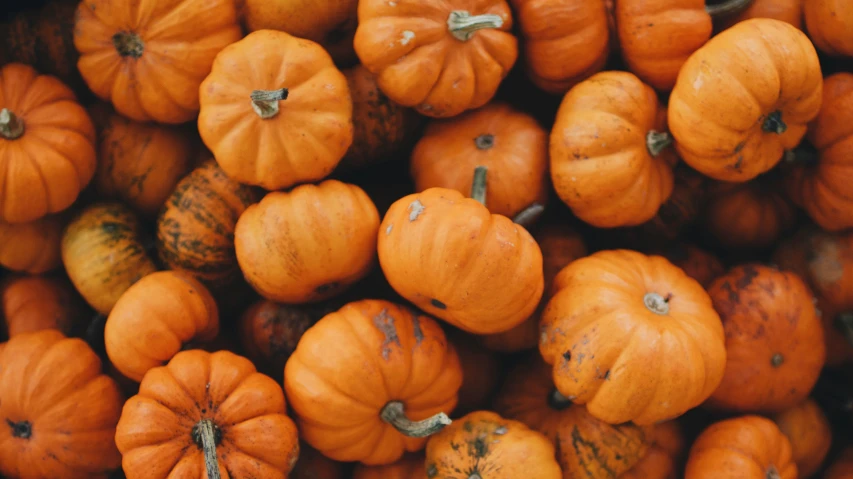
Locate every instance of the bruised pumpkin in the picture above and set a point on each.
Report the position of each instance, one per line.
(34, 303)
(32, 247)
(806, 426)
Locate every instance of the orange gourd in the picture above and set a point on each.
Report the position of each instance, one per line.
(806, 426)
(32, 247)
(34, 303)
(829, 23)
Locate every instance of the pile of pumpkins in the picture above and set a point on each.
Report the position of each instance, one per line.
(427, 239)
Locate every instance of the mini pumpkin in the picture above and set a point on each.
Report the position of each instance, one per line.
(509, 142)
(746, 447)
(697, 263)
(662, 459)
(774, 339)
(386, 385)
(440, 57)
(829, 23)
(59, 410)
(790, 11)
(207, 415)
(149, 57)
(32, 247)
(275, 111)
(411, 466)
(34, 303)
(842, 468)
(806, 426)
(47, 145)
(307, 244)
(609, 158)
(732, 113)
(615, 312)
(493, 448)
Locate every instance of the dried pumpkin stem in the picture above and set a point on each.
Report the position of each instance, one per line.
(11, 127)
(485, 141)
(773, 473)
(557, 401)
(774, 124)
(656, 303)
(128, 44)
(265, 102)
(462, 25)
(207, 435)
(657, 141)
(478, 186)
(844, 322)
(394, 413)
(529, 215)
(728, 7)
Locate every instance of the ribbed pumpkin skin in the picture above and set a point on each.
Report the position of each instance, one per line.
(808, 429)
(32, 247)
(34, 303)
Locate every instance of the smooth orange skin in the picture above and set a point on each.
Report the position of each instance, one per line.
(312, 130)
(789, 11)
(747, 216)
(600, 338)
(154, 435)
(384, 353)
(829, 23)
(744, 447)
(142, 334)
(510, 449)
(564, 42)
(307, 244)
(456, 261)
(806, 426)
(766, 312)
(180, 39)
(34, 303)
(728, 87)
(428, 68)
(697, 263)
(56, 384)
(600, 164)
(32, 247)
(842, 468)
(411, 466)
(447, 154)
(46, 167)
(661, 461)
(823, 190)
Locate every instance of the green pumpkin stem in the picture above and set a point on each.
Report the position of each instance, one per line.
(265, 102)
(657, 141)
(774, 124)
(727, 7)
(478, 186)
(11, 127)
(394, 413)
(207, 435)
(529, 215)
(462, 25)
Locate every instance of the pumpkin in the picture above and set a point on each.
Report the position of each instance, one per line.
(585, 446)
(661, 461)
(564, 42)
(657, 36)
(195, 229)
(790, 11)
(275, 111)
(383, 388)
(307, 244)
(381, 128)
(141, 334)
(842, 468)
(807, 428)
(47, 145)
(61, 411)
(734, 112)
(745, 447)
(697, 263)
(820, 183)
(609, 158)
(560, 244)
(509, 142)
(331, 24)
(411, 466)
(453, 259)
(34, 303)
(441, 58)
(207, 415)
(481, 369)
(491, 448)
(149, 57)
(774, 339)
(615, 312)
(32, 247)
(747, 216)
(829, 23)
(104, 253)
(313, 465)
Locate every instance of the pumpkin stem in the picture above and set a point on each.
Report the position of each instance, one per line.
(844, 322)
(485, 141)
(726, 8)
(774, 124)
(394, 414)
(21, 429)
(207, 435)
(557, 401)
(777, 360)
(657, 141)
(478, 186)
(656, 303)
(265, 102)
(773, 473)
(11, 127)
(128, 44)
(462, 25)
(529, 215)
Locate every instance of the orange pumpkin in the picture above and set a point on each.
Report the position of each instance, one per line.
(615, 312)
(60, 411)
(47, 145)
(696, 262)
(148, 57)
(821, 184)
(790, 11)
(807, 428)
(509, 142)
(441, 57)
(842, 468)
(34, 303)
(207, 415)
(32, 247)
(453, 259)
(829, 23)
(411, 466)
(307, 244)
(492, 448)
(733, 114)
(481, 369)
(142, 334)
(529, 396)
(774, 339)
(353, 401)
(746, 447)
(275, 111)
(313, 465)
(564, 42)
(662, 459)
(609, 158)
